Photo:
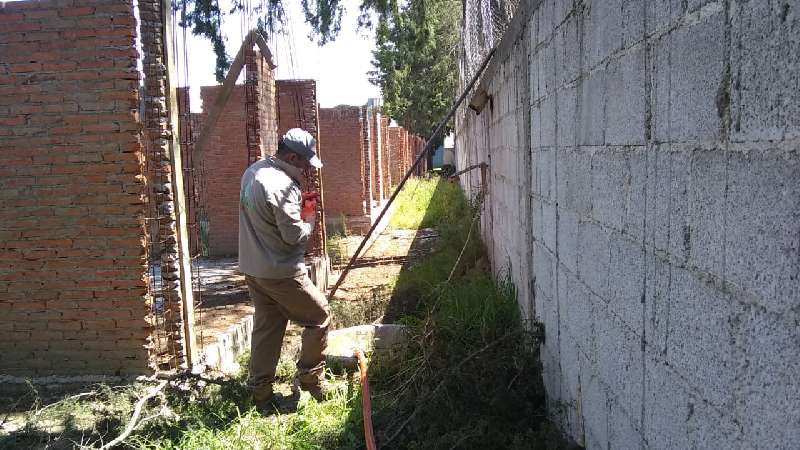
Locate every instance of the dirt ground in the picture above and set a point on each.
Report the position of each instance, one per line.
(373, 276)
(367, 290)
(223, 299)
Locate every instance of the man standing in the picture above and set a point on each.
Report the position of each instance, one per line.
(275, 220)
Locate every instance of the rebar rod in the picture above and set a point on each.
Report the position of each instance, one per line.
(420, 156)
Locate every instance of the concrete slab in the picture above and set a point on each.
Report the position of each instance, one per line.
(594, 261)
(762, 238)
(567, 54)
(704, 324)
(567, 135)
(704, 234)
(697, 72)
(772, 380)
(577, 313)
(568, 239)
(547, 124)
(603, 25)
(765, 99)
(633, 17)
(620, 364)
(590, 111)
(626, 281)
(574, 179)
(544, 182)
(667, 407)
(611, 180)
(623, 434)
(626, 99)
(595, 411)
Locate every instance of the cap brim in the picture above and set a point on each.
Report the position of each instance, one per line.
(315, 162)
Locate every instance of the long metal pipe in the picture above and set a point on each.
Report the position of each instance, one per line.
(422, 154)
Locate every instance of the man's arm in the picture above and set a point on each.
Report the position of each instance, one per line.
(294, 230)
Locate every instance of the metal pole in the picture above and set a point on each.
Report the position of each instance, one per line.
(410, 171)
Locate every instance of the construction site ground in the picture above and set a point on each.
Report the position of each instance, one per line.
(366, 296)
(462, 330)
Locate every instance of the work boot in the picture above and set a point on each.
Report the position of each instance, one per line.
(315, 384)
(263, 398)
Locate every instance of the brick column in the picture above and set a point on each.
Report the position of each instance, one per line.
(252, 124)
(73, 295)
(366, 160)
(297, 108)
(386, 159)
(377, 156)
(162, 239)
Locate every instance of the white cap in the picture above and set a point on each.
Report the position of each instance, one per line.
(303, 143)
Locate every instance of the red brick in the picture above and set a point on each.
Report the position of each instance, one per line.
(59, 153)
(9, 18)
(77, 11)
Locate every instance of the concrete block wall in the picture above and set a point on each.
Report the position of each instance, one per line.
(73, 295)
(650, 154)
(341, 136)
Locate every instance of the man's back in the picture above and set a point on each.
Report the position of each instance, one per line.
(272, 235)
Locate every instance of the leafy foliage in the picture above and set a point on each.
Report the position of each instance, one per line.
(204, 17)
(416, 62)
(415, 58)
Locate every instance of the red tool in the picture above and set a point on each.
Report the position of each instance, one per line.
(309, 208)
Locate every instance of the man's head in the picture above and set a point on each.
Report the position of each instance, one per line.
(298, 148)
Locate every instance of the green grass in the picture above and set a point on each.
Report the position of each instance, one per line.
(469, 379)
(426, 202)
(315, 425)
(472, 362)
(337, 248)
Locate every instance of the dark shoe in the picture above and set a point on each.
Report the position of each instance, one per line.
(314, 384)
(264, 398)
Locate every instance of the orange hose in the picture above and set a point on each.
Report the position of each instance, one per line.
(366, 403)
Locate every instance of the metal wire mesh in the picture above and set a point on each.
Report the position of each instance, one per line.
(485, 23)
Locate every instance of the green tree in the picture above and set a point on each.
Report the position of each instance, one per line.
(416, 62)
(204, 18)
(416, 47)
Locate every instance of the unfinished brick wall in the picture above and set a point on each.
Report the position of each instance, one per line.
(267, 109)
(386, 160)
(261, 125)
(376, 156)
(341, 133)
(187, 126)
(225, 160)
(296, 105)
(73, 297)
(396, 153)
(369, 166)
(231, 148)
(164, 171)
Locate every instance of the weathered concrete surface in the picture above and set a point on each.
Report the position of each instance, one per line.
(644, 195)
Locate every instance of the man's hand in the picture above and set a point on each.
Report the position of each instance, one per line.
(309, 210)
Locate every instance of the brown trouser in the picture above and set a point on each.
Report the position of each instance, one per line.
(277, 302)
